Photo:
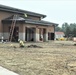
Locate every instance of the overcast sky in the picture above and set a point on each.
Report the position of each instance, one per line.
(57, 11)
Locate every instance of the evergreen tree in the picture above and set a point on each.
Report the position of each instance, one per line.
(68, 32)
(64, 26)
(74, 32)
(58, 28)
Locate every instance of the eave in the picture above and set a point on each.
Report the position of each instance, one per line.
(19, 11)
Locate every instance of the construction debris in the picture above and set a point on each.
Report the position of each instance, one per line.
(33, 46)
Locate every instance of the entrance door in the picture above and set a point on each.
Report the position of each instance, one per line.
(50, 36)
(29, 34)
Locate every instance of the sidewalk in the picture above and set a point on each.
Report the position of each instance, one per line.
(4, 71)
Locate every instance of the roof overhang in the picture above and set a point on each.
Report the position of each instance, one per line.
(19, 11)
(28, 21)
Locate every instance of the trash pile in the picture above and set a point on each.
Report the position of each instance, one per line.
(33, 46)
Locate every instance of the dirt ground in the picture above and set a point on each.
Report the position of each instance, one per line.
(54, 58)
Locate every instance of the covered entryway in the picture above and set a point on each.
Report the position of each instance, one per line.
(50, 36)
(43, 36)
(29, 34)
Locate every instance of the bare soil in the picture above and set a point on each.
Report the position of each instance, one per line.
(51, 58)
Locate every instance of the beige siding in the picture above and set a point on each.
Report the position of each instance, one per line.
(51, 29)
(36, 26)
(22, 27)
(6, 28)
(3, 15)
(1, 28)
(34, 18)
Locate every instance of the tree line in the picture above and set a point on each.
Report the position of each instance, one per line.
(68, 29)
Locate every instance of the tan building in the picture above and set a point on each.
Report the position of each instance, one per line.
(29, 26)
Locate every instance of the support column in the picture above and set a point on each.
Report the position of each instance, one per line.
(22, 32)
(36, 35)
(42, 34)
(46, 35)
(28, 34)
(1, 30)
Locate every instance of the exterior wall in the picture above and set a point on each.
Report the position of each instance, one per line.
(6, 32)
(1, 30)
(37, 31)
(51, 29)
(4, 15)
(34, 18)
(35, 26)
(4, 29)
(22, 31)
(51, 32)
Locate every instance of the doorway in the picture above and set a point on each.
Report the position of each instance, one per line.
(29, 34)
(50, 36)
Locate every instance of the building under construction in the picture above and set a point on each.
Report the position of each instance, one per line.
(25, 25)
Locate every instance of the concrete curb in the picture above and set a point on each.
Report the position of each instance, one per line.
(4, 71)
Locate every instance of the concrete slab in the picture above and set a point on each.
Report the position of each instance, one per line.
(4, 71)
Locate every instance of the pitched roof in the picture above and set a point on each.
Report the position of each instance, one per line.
(28, 20)
(59, 33)
(19, 11)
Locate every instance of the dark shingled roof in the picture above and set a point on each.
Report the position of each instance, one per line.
(19, 11)
(28, 20)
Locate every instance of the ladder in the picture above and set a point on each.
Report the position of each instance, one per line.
(12, 27)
